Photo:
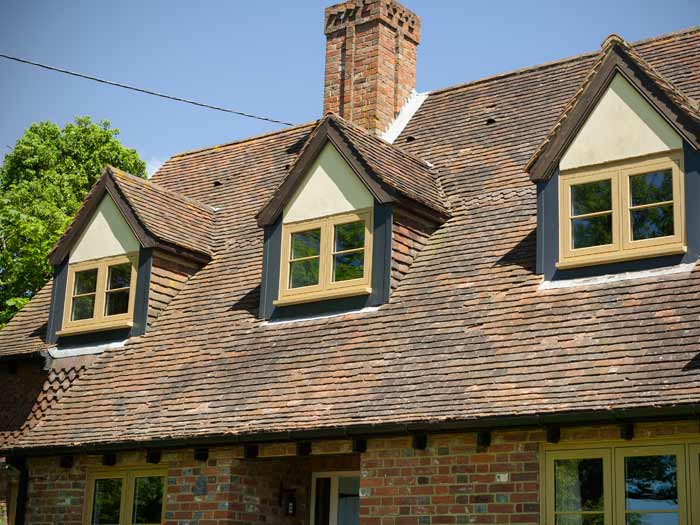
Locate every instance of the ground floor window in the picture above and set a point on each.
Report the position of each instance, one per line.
(125, 496)
(335, 498)
(636, 484)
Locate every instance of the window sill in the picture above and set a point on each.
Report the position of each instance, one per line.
(323, 295)
(646, 253)
(97, 327)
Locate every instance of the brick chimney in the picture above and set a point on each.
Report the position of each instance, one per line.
(370, 61)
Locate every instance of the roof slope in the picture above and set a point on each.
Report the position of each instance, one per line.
(468, 334)
(401, 170)
(157, 215)
(25, 332)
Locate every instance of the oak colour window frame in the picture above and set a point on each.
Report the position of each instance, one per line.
(584, 453)
(99, 320)
(326, 288)
(686, 448)
(623, 247)
(128, 475)
(334, 477)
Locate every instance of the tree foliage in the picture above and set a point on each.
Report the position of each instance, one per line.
(43, 181)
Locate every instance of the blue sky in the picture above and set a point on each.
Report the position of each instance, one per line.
(265, 57)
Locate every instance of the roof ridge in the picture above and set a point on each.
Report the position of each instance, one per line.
(121, 173)
(245, 139)
(557, 62)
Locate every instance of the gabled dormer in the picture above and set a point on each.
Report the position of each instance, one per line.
(617, 175)
(344, 224)
(128, 251)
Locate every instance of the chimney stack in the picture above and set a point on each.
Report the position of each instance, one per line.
(370, 61)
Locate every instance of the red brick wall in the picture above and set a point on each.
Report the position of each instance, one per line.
(224, 490)
(452, 481)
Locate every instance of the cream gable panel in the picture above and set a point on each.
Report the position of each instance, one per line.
(107, 234)
(622, 125)
(330, 187)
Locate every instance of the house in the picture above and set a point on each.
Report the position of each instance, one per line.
(474, 305)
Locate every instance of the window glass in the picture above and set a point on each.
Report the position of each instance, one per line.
(305, 258)
(651, 205)
(349, 236)
(651, 490)
(591, 197)
(592, 231)
(348, 251)
(651, 188)
(148, 500)
(348, 500)
(85, 282)
(578, 492)
(322, 505)
(84, 290)
(107, 501)
(591, 210)
(117, 299)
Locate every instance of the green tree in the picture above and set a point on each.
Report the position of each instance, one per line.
(43, 181)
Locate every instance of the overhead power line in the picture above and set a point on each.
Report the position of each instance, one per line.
(141, 90)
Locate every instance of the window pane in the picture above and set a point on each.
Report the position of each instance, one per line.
(591, 197)
(652, 519)
(83, 307)
(117, 302)
(107, 501)
(306, 244)
(322, 505)
(580, 519)
(349, 236)
(348, 266)
(148, 500)
(85, 282)
(348, 501)
(119, 276)
(578, 485)
(303, 273)
(651, 187)
(593, 231)
(651, 483)
(649, 223)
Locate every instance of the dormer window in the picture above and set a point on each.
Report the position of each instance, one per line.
(344, 225)
(621, 211)
(326, 258)
(611, 174)
(100, 294)
(122, 259)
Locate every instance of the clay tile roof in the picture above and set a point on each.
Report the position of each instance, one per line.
(170, 216)
(157, 215)
(574, 111)
(469, 334)
(388, 171)
(25, 332)
(401, 170)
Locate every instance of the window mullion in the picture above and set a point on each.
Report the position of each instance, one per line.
(622, 189)
(101, 290)
(125, 518)
(326, 254)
